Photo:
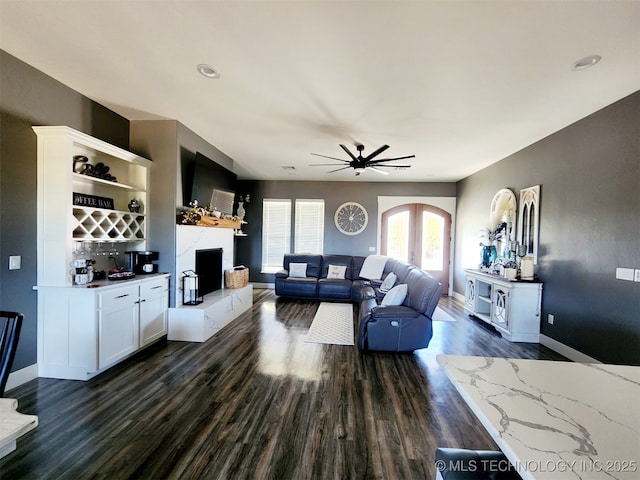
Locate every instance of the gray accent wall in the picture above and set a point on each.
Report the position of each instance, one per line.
(589, 175)
(249, 249)
(27, 98)
(171, 146)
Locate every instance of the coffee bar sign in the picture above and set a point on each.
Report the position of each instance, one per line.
(84, 200)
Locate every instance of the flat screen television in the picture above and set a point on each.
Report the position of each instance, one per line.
(207, 181)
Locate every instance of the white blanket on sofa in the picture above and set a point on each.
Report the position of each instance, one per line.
(373, 266)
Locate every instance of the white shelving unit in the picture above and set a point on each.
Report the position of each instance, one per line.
(512, 307)
(61, 223)
(85, 329)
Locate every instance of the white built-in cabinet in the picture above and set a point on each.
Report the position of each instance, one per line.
(83, 329)
(512, 307)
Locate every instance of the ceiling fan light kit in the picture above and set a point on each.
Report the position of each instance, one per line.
(360, 163)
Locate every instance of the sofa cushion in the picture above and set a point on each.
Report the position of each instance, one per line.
(396, 295)
(424, 291)
(313, 261)
(334, 289)
(297, 287)
(337, 261)
(297, 270)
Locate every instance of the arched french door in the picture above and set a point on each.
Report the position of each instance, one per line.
(420, 234)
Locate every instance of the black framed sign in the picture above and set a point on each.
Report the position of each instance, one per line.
(84, 200)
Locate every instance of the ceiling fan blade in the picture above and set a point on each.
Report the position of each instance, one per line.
(377, 152)
(391, 159)
(332, 158)
(338, 169)
(378, 171)
(326, 165)
(349, 152)
(390, 166)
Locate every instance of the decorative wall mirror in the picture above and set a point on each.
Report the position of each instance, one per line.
(528, 225)
(503, 209)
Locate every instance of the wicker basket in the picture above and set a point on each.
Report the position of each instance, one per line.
(236, 278)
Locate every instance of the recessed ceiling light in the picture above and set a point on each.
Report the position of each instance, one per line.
(208, 71)
(586, 62)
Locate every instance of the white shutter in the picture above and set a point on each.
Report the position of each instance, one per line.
(309, 226)
(276, 233)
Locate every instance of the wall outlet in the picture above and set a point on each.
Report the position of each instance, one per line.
(372, 249)
(624, 274)
(636, 278)
(15, 262)
(550, 318)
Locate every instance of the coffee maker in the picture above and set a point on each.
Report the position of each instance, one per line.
(141, 262)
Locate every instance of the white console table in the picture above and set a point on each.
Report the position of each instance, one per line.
(198, 323)
(512, 307)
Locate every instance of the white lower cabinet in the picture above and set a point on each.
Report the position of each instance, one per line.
(118, 320)
(512, 307)
(82, 331)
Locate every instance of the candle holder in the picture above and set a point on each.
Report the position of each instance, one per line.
(190, 288)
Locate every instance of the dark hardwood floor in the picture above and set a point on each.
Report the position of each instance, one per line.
(257, 402)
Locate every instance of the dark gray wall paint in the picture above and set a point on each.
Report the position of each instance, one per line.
(249, 249)
(27, 98)
(169, 144)
(589, 174)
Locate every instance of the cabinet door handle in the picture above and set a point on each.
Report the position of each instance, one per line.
(157, 286)
(122, 296)
(142, 300)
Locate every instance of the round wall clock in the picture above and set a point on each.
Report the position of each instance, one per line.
(351, 218)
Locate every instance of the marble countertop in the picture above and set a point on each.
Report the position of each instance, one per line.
(555, 420)
(13, 425)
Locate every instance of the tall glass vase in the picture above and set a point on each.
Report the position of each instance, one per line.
(489, 255)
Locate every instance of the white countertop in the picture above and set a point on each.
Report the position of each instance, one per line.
(13, 425)
(106, 283)
(555, 420)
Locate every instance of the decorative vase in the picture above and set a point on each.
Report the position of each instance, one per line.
(489, 255)
(241, 212)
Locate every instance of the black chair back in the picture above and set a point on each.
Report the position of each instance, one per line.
(10, 324)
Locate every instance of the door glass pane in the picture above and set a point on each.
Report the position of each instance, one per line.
(397, 236)
(432, 241)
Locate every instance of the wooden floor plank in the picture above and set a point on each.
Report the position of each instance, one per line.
(257, 402)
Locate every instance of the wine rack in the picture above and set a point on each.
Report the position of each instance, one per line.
(96, 224)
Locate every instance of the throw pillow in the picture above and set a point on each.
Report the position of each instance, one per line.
(396, 295)
(298, 270)
(336, 271)
(389, 282)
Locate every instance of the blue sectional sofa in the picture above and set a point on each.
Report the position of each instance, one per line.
(397, 328)
(316, 284)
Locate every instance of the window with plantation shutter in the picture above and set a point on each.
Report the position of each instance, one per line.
(309, 226)
(276, 233)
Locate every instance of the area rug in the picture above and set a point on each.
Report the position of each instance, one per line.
(440, 315)
(333, 324)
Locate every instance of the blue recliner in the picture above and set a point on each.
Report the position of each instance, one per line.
(399, 328)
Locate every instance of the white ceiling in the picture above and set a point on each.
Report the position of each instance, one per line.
(459, 84)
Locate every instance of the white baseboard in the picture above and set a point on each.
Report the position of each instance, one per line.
(21, 376)
(567, 351)
(270, 286)
(459, 297)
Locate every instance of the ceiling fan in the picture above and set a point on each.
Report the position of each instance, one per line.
(360, 163)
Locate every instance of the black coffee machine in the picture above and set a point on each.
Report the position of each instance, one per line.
(141, 262)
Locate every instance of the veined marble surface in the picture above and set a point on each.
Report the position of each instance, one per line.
(13, 425)
(555, 420)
